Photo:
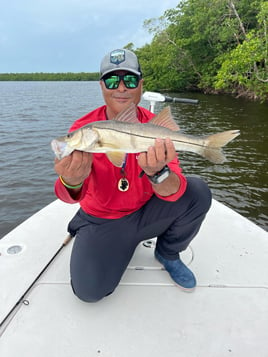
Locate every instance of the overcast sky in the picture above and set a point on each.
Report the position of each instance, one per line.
(70, 35)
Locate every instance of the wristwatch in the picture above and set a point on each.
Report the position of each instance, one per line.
(160, 176)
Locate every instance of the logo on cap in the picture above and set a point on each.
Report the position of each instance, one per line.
(117, 56)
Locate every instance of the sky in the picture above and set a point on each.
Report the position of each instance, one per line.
(71, 35)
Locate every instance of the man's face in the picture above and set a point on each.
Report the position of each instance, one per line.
(120, 98)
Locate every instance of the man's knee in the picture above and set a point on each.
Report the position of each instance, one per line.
(89, 294)
(200, 192)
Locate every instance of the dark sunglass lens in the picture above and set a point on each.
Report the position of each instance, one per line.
(112, 82)
(131, 80)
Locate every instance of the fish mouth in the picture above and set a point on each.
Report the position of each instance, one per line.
(59, 148)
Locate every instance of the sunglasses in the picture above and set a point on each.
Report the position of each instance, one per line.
(112, 81)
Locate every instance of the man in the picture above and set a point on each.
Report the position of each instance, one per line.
(119, 206)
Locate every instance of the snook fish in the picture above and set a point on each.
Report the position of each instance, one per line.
(125, 134)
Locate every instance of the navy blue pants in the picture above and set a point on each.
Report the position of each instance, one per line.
(104, 247)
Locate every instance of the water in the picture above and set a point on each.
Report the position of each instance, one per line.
(32, 113)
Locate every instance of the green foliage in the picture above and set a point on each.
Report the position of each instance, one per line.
(246, 66)
(243, 69)
(212, 45)
(49, 76)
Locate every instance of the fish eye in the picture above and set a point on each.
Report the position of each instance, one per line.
(69, 135)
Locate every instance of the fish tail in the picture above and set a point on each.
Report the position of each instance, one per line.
(212, 150)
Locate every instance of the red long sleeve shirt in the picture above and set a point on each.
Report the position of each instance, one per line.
(100, 195)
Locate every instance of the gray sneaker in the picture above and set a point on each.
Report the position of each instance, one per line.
(178, 271)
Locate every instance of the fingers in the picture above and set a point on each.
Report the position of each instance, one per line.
(161, 153)
(170, 150)
(157, 156)
(75, 167)
(78, 161)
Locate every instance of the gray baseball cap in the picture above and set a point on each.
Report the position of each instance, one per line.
(120, 59)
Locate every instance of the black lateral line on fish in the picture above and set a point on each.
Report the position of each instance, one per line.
(153, 137)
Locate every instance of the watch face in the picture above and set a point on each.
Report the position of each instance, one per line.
(160, 176)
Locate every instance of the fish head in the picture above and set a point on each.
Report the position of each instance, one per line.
(82, 139)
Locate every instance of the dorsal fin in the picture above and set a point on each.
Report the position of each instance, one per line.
(128, 115)
(164, 118)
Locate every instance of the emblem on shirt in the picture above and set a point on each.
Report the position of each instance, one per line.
(123, 184)
(117, 56)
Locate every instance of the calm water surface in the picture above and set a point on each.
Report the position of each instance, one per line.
(33, 113)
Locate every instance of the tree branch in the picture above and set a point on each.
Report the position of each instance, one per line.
(232, 6)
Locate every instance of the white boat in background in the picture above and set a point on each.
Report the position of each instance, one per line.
(147, 315)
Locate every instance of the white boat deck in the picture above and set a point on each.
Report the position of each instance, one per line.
(147, 315)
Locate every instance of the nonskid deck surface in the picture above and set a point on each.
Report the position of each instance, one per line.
(147, 315)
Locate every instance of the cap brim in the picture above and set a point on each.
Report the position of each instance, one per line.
(120, 69)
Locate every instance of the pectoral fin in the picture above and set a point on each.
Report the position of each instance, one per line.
(117, 158)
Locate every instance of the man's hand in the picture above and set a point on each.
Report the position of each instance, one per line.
(74, 168)
(157, 156)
